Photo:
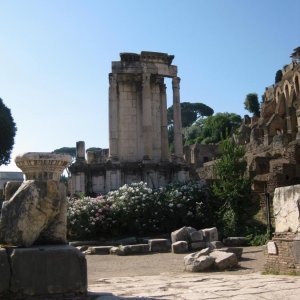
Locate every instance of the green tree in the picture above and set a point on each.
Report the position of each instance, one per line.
(232, 187)
(66, 150)
(8, 131)
(251, 104)
(213, 128)
(190, 112)
(278, 76)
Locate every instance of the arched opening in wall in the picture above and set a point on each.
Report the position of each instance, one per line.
(287, 93)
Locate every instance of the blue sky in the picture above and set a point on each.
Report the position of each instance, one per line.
(55, 56)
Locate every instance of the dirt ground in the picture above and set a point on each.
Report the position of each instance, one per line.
(108, 266)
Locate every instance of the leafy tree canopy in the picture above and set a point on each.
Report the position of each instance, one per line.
(8, 131)
(66, 150)
(252, 105)
(190, 112)
(278, 76)
(212, 129)
(232, 187)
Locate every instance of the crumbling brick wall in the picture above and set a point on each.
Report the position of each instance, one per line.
(285, 261)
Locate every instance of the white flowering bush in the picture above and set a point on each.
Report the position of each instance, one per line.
(138, 209)
(88, 217)
(135, 209)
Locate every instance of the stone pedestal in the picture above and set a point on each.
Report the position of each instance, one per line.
(42, 271)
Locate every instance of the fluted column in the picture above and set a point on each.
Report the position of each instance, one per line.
(164, 124)
(178, 147)
(147, 116)
(113, 118)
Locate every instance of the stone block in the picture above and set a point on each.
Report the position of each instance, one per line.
(100, 250)
(199, 264)
(179, 235)
(198, 245)
(196, 236)
(286, 207)
(117, 251)
(159, 245)
(235, 241)
(135, 249)
(180, 247)
(37, 211)
(48, 270)
(224, 260)
(215, 245)
(10, 188)
(210, 234)
(272, 248)
(182, 234)
(4, 271)
(236, 250)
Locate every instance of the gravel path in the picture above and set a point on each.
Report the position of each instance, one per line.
(108, 266)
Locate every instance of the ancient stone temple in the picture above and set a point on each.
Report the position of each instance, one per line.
(138, 136)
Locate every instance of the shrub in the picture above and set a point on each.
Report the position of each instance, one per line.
(138, 209)
(88, 217)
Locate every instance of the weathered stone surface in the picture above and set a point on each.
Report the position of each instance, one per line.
(180, 247)
(272, 248)
(196, 236)
(10, 188)
(210, 234)
(238, 251)
(82, 248)
(117, 251)
(100, 250)
(204, 251)
(236, 241)
(198, 245)
(215, 244)
(134, 249)
(159, 245)
(224, 260)
(179, 235)
(186, 233)
(286, 205)
(31, 211)
(48, 270)
(4, 271)
(201, 263)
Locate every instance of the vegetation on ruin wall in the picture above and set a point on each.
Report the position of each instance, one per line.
(232, 191)
(138, 209)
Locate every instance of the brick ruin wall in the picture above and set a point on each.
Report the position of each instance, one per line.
(287, 259)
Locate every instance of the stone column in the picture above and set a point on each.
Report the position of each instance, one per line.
(178, 147)
(164, 124)
(113, 118)
(80, 151)
(147, 116)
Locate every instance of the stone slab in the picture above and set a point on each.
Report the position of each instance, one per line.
(4, 271)
(159, 245)
(134, 249)
(287, 209)
(272, 248)
(48, 270)
(180, 247)
(100, 250)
